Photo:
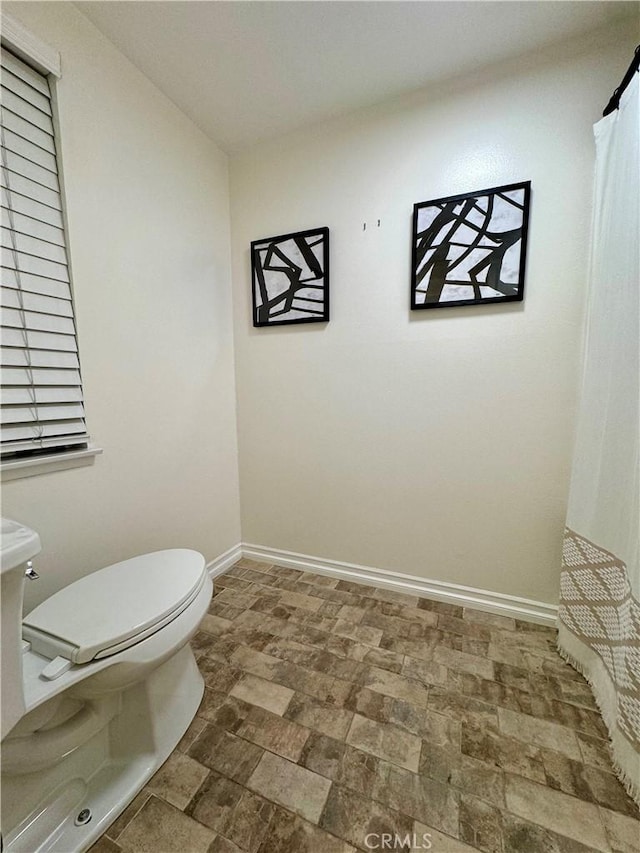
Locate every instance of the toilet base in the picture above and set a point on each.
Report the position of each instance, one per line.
(107, 772)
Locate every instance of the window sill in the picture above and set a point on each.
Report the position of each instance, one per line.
(19, 468)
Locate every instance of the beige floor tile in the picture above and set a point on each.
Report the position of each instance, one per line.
(492, 692)
(191, 733)
(229, 580)
(215, 624)
(105, 845)
(218, 676)
(556, 811)
(280, 571)
(222, 710)
(301, 601)
(323, 755)
(495, 749)
(274, 733)
(466, 709)
(403, 715)
(321, 580)
(159, 826)
(358, 771)
(346, 648)
(464, 662)
(439, 762)
(258, 691)
(394, 597)
(288, 833)
(300, 653)
(429, 672)
(239, 815)
(514, 676)
(319, 716)
(440, 607)
(415, 614)
(481, 824)
(607, 791)
(251, 619)
(353, 818)
(539, 732)
(364, 634)
(204, 644)
(396, 686)
(339, 694)
(466, 628)
(384, 741)
(256, 565)
(506, 653)
(119, 824)
(223, 845)
(215, 802)
(351, 614)
(623, 832)
(477, 778)
(420, 797)
(419, 649)
(522, 836)
(298, 678)
(341, 667)
(257, 663)
(564, 689)
(178, 779)
(227, 754)
(384, 659)
(395, 627)
(438, 841)
(433, 727)
(236, 598)
(495, 620)
(294, 787)
(595, 752)
(370, 704)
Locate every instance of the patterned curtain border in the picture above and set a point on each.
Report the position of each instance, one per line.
(597, 606)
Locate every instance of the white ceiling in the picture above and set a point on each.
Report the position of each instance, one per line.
(246, 71)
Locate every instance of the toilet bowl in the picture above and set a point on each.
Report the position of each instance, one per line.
(99, 685)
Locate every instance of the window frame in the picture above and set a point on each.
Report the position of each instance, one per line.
(47, 61)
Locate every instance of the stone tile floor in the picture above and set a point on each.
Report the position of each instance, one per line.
(336, 712)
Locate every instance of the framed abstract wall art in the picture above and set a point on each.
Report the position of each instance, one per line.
(290, 278)
(470, 249)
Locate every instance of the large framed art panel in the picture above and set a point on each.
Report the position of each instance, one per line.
(290, 278)
(470, 249)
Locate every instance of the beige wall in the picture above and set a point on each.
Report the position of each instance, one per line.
(147, 198)
(435, 443)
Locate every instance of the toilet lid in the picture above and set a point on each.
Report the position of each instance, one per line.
(117, 606)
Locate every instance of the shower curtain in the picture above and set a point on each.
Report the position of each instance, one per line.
(599, 616)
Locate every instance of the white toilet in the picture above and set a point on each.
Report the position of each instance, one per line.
(98, 686)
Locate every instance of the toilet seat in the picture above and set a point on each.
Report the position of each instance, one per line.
(116, 607)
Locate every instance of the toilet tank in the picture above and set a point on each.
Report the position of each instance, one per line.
(18, 544)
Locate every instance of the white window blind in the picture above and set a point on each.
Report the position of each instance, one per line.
(42, 403)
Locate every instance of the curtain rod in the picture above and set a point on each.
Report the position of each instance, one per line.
(614, 103)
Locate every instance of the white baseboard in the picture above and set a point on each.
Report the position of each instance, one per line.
(220, 565)
(464, 596)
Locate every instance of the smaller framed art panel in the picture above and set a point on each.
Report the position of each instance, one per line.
(470, 249)
(290, 278)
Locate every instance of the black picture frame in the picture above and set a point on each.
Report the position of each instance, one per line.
(441, 275)
(290, 278)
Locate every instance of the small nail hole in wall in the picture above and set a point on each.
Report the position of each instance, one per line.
(378, 223)
(364, 226)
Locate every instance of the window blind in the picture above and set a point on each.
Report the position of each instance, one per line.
(42, 401)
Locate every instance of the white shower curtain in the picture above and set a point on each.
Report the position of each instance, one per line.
(599, 618)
